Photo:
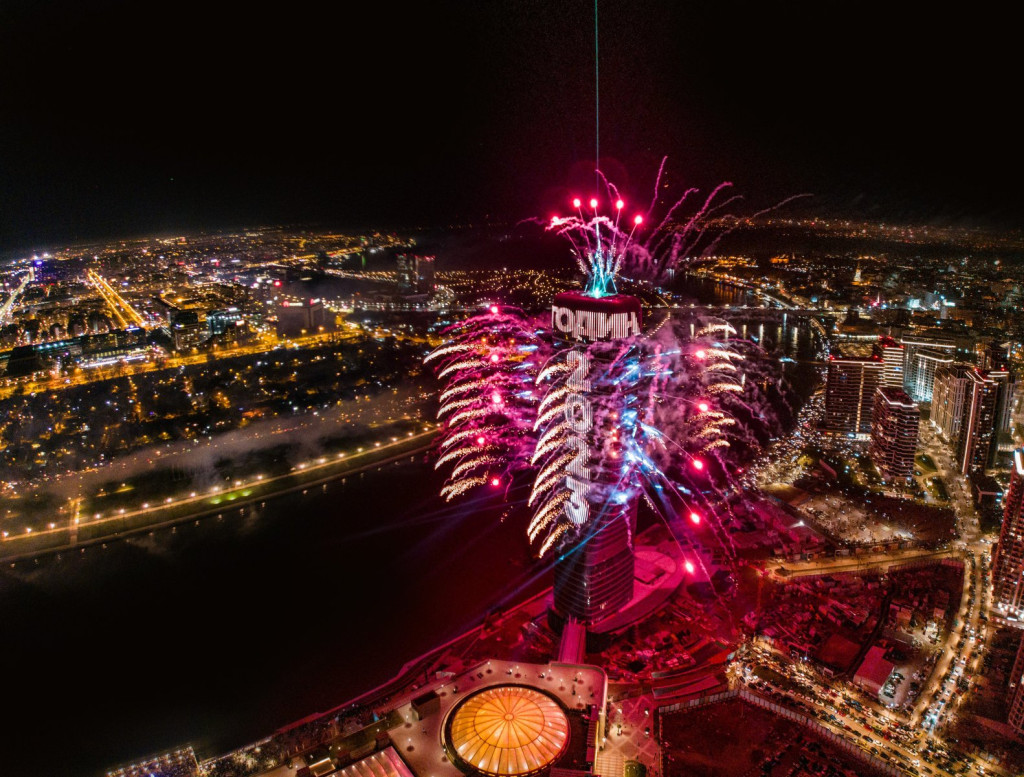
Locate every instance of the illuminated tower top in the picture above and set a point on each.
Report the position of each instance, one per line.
(582, 318)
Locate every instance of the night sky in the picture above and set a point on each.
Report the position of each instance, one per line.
(118, 118)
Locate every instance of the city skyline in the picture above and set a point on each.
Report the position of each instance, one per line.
(123, 121)
(387, 392)
(217, 439)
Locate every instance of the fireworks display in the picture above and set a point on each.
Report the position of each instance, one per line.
(489, 402)
(600, 412)
(648, 245)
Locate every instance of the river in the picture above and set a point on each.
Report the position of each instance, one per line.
(218, 633)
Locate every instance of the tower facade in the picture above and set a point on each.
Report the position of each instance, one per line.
(1008, 563)
(595, 568)
(894, 428)
(891, 354)
(926, 363)
(975, 448)
(850, 392)
(1016, 693)
(948, 392)
(911, 346)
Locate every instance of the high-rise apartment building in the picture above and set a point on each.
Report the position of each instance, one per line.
(1008, 559)
(991, 355)
(850, 392)
(424, 274)
(912, 345)
(948, 392)
(1016, 692)
(415, 273)
(975, 449)
(1009, 396)
(926, 363)
(894, 427)
(891, 354)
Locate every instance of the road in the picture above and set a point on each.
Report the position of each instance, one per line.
(829, 566)
(11, 301)
(192, 505)
(155, 363)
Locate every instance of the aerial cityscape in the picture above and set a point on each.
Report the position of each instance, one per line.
(641, 448)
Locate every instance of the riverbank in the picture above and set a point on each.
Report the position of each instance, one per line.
(78, 531)
(219, 631)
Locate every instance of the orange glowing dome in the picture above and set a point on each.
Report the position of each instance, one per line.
(508, 730)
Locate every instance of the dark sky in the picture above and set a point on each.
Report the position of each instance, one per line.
(126, 117)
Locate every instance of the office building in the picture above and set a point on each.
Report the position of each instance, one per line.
(295, 319)
(219, 321)
(849, 394)
(894, 427)
(186, 330)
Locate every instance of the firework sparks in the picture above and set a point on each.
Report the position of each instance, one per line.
(488, 403)
(612, 416)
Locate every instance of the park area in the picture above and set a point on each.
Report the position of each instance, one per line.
(853, 513)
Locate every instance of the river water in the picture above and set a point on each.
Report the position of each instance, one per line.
(217, 633)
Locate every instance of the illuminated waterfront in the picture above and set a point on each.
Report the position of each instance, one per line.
(218, 633)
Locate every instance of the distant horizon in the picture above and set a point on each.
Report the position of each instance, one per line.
(14, 253)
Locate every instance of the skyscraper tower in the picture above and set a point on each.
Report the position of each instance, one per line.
(424, 274)
(926, 363)
(894, 427)
(850, 393)
(594, 569)
(1016, 692)
(891, 354)
(1009, 396)
(948, 393)
(912, 384)
(975, 449)
(1008, 561)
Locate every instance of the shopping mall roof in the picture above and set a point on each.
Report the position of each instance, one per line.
(508, 730)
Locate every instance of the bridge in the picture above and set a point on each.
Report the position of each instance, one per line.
(756, 311)
(814, 317)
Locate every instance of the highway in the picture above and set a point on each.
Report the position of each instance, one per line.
(154, 363)
(125, 314)
(8, 307)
